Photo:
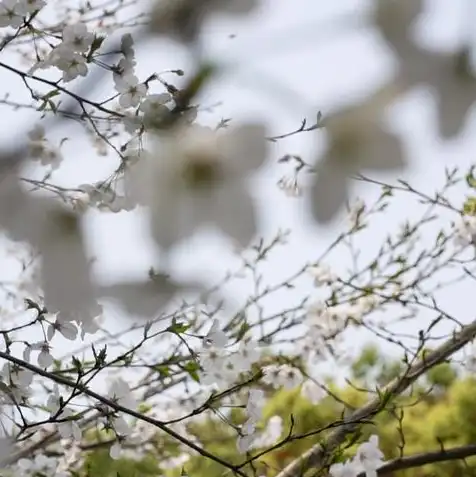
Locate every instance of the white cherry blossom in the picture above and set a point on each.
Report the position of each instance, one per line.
(131, 91)
(247, 436)
(71, 63)
(247, 354)
(66, 329)
(121, 393)
(44, 358)
(256, 401)
(40, 464)
(197, 177)
(77, 37)
(115, 450)
(465, 231)
(369, 457)
(12, 13)
(271, 433)
(322, 274)
(346, 469)
(312, 391)
(32, 6)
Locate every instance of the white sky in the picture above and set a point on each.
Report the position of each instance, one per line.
(291, 62)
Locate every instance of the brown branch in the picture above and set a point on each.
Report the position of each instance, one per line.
(117, 407)
(419, 460)
(318, 455)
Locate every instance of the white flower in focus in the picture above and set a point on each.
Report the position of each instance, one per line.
(215, 338)
(72, 64)
(465, 231)
(369, 456)
(44, 357)
(90, 325)
(197, 177)
(322, 274)
(122, 71)
(12, 13)
(68, 330)
(131, 91)
(77, 37)
(121, 393)
(312, 391)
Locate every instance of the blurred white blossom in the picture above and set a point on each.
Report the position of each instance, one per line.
(182, 19)
(197, 176)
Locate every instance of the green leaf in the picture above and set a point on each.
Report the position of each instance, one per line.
(177, 327)
(469, 207)
(192, 368)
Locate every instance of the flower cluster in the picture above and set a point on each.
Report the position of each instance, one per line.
(465, 231)
(13, 12)
(71, 55)
(282, 375)
(221, 367)
(41, 150)
(368, 459)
